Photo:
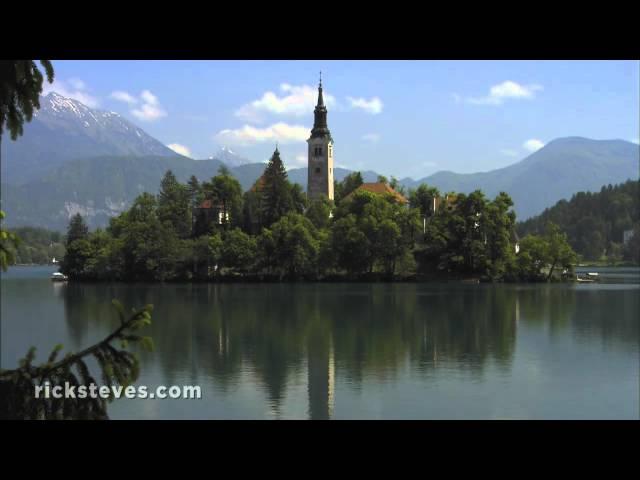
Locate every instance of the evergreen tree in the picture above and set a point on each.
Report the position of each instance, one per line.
(276, 192)
(77, 229)
(195, 191)
(20, 88)
(173, 205)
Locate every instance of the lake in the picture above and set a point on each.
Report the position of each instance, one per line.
(355, 351)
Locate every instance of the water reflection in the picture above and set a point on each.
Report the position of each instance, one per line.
(325, 351)
(352, 332)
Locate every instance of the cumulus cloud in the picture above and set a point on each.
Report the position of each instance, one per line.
(636, 140)
(72, 88)
(278, 132)
(507, 90)
(181, 149)
(373, 106)
(293, 100)
(371, 137)
(122, 96)
(533, 145)
(145, 107)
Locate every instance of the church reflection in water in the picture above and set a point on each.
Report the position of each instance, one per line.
(328, 332)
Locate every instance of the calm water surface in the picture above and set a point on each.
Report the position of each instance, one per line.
(342, 351)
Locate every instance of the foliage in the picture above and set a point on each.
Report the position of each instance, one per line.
(348, 185)
(594, 222)
(119, 368)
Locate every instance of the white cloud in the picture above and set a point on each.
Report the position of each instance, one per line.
(72, 88)
(533, 145)
(508, 152)
(147, 108)
(278, 132)
(181, 149)
(371, 137)
(636, 140)
(122, 96)
(150, 109)
(77, 84)
(373, 106)
(295, 100)
(505, 91)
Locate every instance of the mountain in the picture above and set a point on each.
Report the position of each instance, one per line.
(230, 158)
(65, 129)
(558, 170)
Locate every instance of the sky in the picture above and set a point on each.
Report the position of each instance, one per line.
(401, 118)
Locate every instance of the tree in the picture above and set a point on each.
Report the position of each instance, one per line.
(422, 199)
(238, 251)
(195, 191)
(276, 193)
(319, 211)
(77, 248)
(20, 88)
(559, 251)
(290, 247)
(226, 190)
(348, 185)
(174, 205)
(119, 368)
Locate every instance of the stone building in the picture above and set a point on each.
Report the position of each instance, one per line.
(320, 154)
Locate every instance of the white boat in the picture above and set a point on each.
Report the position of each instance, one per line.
(59, 277)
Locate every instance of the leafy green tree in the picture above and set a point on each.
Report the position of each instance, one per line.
(225, 189)
(319, 211)
(422, 199)
(290, 247)
(560, 252)
(238, 251)
(348, 185)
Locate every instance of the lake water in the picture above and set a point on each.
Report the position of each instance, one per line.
(355, 351)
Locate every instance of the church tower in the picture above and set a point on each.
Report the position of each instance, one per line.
(320, 153)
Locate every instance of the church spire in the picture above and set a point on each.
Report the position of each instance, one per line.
(320, 127)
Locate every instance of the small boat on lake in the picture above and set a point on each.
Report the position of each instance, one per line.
(59, 277)
(591, 277)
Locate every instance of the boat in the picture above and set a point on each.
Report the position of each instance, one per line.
(59, 277)
(590, 277)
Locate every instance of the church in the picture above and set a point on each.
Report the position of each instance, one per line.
(320, 153)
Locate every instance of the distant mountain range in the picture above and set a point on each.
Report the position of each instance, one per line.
(65, 129)
(558, 170)
(75, 159)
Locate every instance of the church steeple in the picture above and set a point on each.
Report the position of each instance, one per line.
(320, 127)
(320, 153)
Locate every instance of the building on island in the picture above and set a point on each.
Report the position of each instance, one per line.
(320, 153)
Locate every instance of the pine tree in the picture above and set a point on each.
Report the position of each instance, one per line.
(173, 205)
(194, 189)
(276, 191)
(77, 229)
(20, 89)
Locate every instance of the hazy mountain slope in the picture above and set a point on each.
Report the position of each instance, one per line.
(65, 129)
(558, 170)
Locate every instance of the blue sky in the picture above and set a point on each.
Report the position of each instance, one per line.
(402, 118)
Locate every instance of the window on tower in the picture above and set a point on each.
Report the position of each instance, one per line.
(317, 169)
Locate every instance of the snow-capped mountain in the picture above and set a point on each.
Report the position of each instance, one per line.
(230, 158)
(64, 129)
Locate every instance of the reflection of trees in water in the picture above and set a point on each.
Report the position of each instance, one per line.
(361, 330)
